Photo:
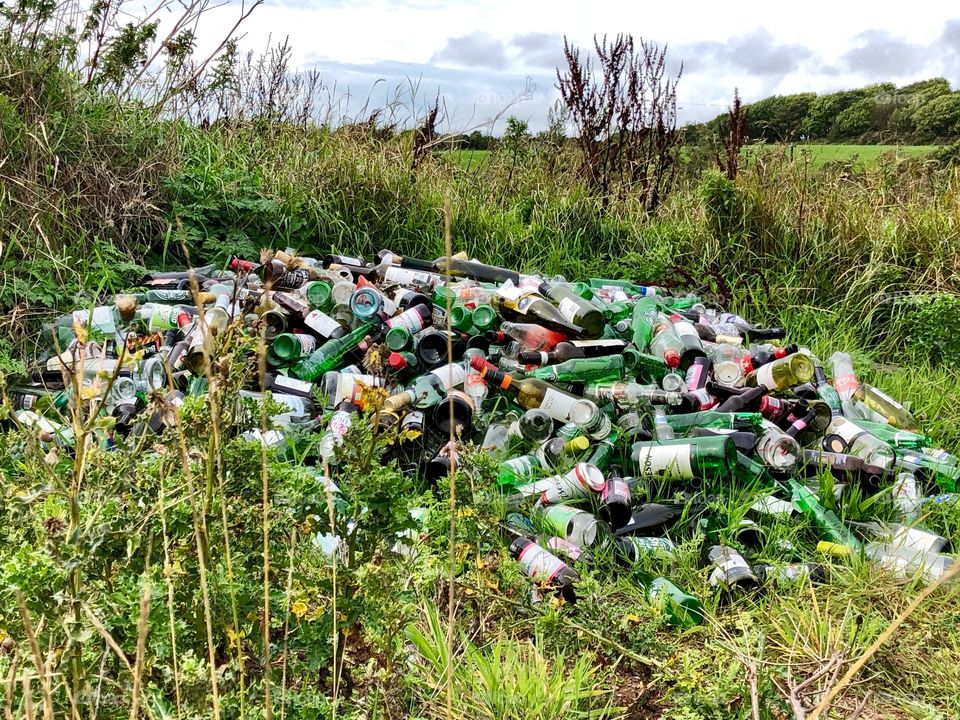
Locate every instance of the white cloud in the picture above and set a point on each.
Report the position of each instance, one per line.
(480, 53)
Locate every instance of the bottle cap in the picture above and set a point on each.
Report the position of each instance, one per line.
(396, 361)
(835, 443)
(825, 547)
(672, 358)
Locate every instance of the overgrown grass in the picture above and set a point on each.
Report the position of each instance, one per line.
(862, 257)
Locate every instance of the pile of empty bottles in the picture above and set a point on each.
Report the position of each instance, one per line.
(601, 398)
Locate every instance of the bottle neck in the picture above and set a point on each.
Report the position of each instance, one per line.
(494, 377)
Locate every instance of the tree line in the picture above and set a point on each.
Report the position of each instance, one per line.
(922, 112)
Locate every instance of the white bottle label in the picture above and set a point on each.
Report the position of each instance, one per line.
(297, 404)
(340, 422)
(321, 323)
(765, 376)
(351, 387)
(450, 375)
(847, 430)
(614, 344)
(846, 384)
(558, 404)
(685, 328)
(411, 320)
(509, 292)
(102, 319)
(537, 563)
(723, 570)
(404, 276)
(667, 462)
(283, 382)
(569, 309)
(580, 482)
(308, 343)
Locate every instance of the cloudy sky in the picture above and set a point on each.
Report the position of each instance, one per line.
(482, 56)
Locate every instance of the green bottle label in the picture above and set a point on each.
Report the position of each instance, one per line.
(557, 518)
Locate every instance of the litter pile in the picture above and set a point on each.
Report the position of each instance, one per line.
(594, 395)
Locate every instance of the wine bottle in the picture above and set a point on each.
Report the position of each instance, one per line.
(329, 355)
(684, 459)
(544, 567)
(530, 392)
(519, 305)
(578, 312)
(529, 335)
(782, 373)
(582, 370)
(894, 412)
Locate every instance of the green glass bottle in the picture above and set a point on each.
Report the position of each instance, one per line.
(329, 355)
(935, 469)
(398, 339)
(519, 471)
(716, 420)
(642, 322)
(485, 318)
(649, 368)
(578, 311)
(617, 311)
(461, 318)
(603, 453)
(893, 436)
(827, 392)
(685, 458)
(289, 348)
(751, 471)
(582, 370)
(318, 294)
(829, 525)
(625, 285)
(680, 607)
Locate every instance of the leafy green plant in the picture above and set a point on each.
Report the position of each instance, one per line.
(509, 679)
(929, 326)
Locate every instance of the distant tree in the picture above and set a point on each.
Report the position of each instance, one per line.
(778, 118)
(876, 113)
(940, 117)
(516, 135)
(856, 119)
(920, 92)
(821, 115)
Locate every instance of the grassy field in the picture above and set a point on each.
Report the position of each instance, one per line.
(470, 159)
(868, 154)
(819, 154)
(183, 575)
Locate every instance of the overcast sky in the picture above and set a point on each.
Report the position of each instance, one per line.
(481, 55)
